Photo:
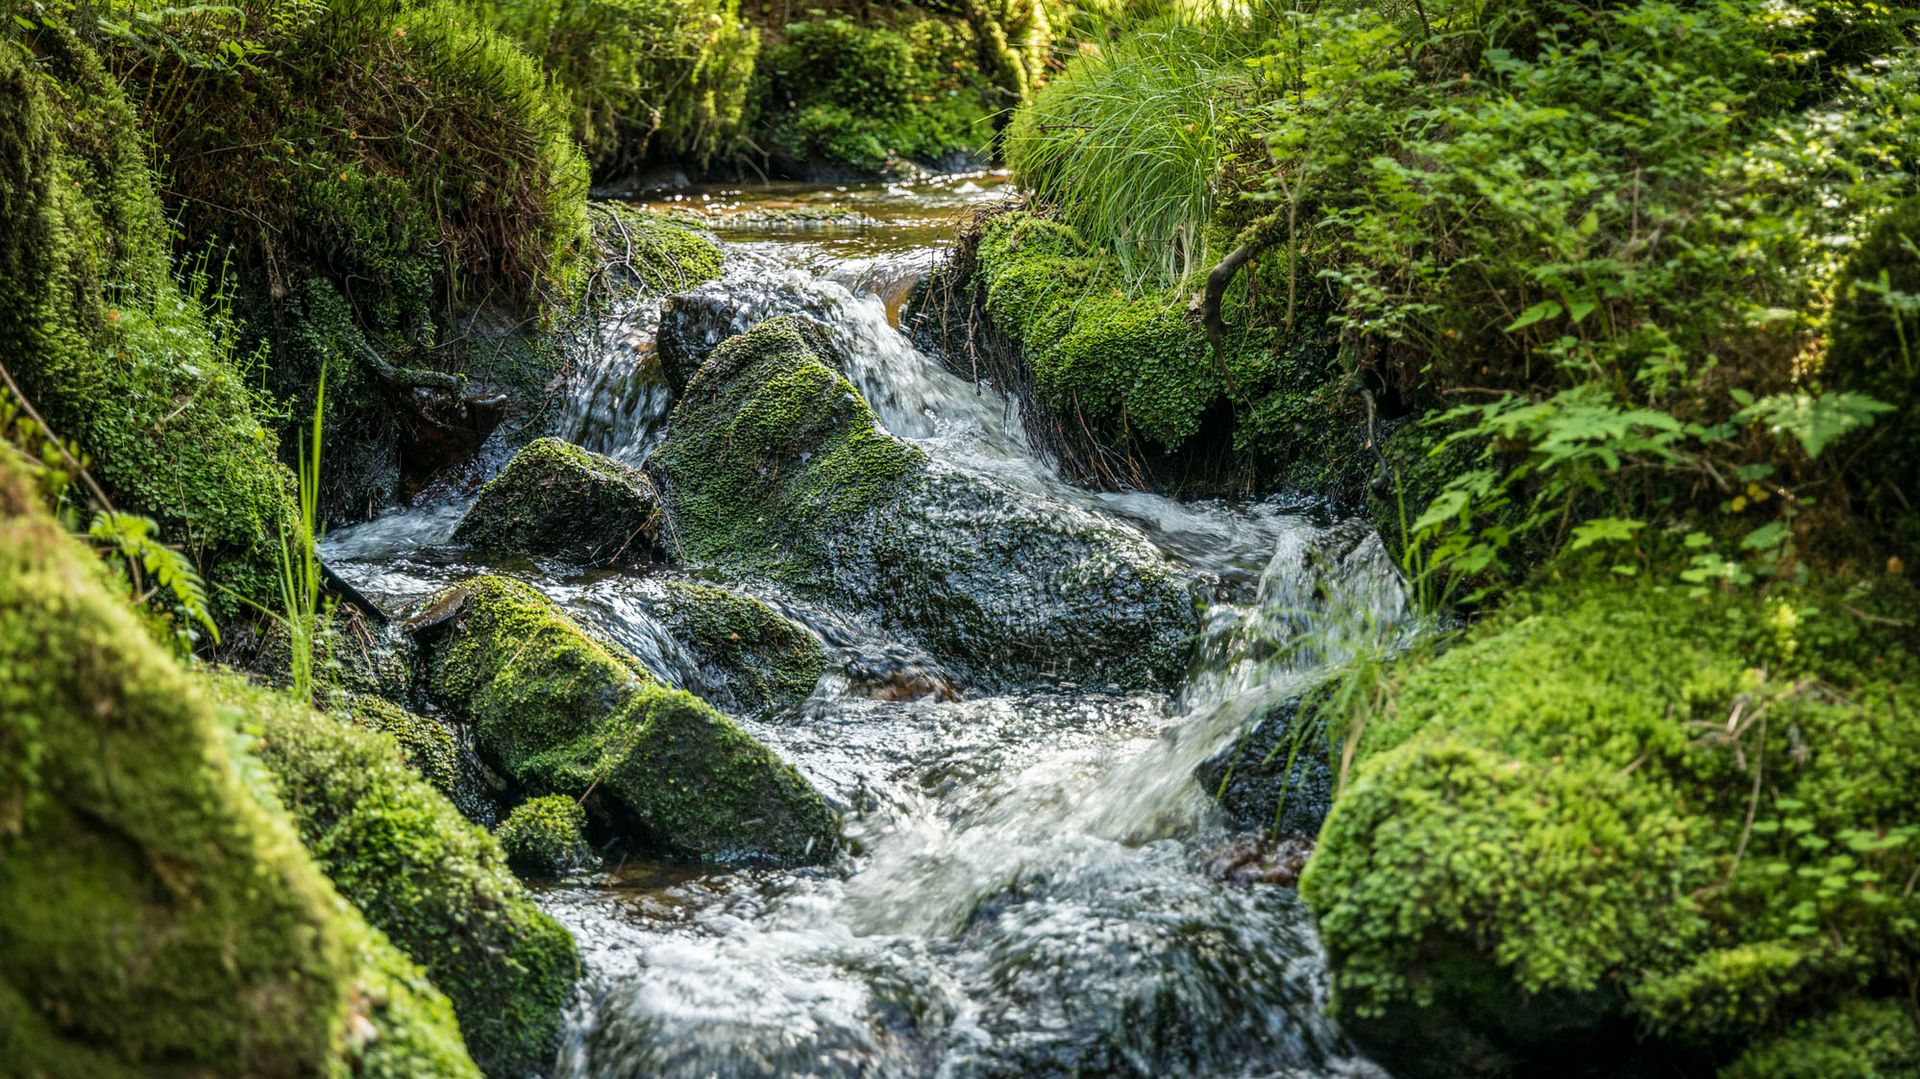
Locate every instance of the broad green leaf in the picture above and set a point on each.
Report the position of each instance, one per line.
(1545, 309)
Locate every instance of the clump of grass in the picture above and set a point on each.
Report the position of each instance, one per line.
(300, 560)
(1127, 143)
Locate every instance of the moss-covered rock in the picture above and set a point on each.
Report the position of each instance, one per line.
(100, 336)
(437, 885)
(560, 712)
(1624, 805)
(545, 836)
(774, 465)
(430, 749)
(557, 499)
(761, 661)
(1875, 1039)
(158, 913)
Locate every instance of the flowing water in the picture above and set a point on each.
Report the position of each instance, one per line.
(1035, 886)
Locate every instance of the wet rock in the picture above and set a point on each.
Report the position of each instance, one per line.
(558, 500)
(896, 673)
(775, 465)
(693, 324)
(545, 837)
(436, 884)
(1274, 779)
(1247, 859)
(557, 711)
(757, 661)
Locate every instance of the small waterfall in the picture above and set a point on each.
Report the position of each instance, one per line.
(1034, 888)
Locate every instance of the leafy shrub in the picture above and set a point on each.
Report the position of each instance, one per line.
(1615, 224)
(843, 93)
(659, 77)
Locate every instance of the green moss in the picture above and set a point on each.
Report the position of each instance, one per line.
(545, 836)
(437, 885)
(767, 662)
(158, 913)
(103, 341)
(429, 749)
(560, 712)
(1863, 1040)
(1565, 796)
(771, 450)
(555, 498)
(1128, 367)
(657, 251)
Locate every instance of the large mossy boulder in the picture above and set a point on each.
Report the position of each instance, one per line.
(1623, 808)
(753, 659)
(430, 749)
(437, 885)
(774, 465)
(101, 338)
(558, 500)
(158, 914)
(560, 712)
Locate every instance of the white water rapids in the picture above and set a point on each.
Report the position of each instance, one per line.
(1030, 891)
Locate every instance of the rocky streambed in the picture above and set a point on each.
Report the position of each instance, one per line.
(900, 751)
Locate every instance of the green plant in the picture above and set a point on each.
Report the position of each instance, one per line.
(1128, 142)
(300, 572)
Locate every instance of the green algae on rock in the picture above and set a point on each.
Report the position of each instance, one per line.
(561, 712)
(762, 661)
(158, 910)
(775, 465)
(436, 884)
(557, 499)
(545, 836)
(1621, 805)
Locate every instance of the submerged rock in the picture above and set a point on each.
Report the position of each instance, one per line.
(159, 913)
(774, 464)
(436, 884)
(545, 836)
(1275, 778)
(558, 500)
(760, 661)
(558, 711)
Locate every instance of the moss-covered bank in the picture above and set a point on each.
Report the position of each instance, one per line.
(1622, 808)
(157, 912)
(560, 712)
(101, 337)
(1122, 384)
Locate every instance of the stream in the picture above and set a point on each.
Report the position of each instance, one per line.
(1035, 882)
